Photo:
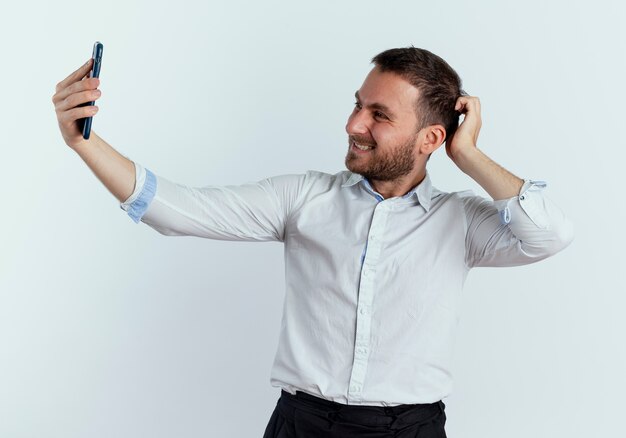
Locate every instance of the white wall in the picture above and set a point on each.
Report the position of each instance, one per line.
(109, 329)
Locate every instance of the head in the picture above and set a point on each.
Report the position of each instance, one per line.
(404, 111)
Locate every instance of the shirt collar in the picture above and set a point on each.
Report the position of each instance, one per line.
(423, 191)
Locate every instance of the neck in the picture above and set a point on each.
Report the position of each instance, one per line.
(399, 186)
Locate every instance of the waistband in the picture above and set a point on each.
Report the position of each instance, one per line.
(394, 417)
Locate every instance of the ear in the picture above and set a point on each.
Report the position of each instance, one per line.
(433, 136)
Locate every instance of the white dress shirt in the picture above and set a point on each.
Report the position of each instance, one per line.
(373, 285)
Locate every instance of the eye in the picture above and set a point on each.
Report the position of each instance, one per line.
(357, 105)
(379, 115)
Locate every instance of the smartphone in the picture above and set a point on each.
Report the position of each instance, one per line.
(85, 123)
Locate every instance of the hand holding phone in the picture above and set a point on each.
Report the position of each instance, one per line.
(85, 123)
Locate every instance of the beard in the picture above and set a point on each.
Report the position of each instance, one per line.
(378, 165)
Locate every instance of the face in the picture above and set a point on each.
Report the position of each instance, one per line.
(382, 134)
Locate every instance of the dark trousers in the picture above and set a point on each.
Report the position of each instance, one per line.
(305, 416)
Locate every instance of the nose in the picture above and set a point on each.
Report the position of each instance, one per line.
(357, 123)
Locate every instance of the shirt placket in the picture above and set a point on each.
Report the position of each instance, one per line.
(364, 302)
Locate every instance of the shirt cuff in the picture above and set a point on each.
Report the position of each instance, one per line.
(529, 191)
(145, 189)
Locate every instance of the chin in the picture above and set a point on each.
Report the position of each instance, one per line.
(350, 165)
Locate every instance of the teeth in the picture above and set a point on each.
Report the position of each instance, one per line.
(363, 148)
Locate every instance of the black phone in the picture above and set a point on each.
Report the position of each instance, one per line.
(85, 123)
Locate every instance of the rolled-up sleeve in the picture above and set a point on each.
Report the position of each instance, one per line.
(516, 231)
(145, 187)
(255, 211)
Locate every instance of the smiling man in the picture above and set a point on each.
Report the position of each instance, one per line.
(375, 256)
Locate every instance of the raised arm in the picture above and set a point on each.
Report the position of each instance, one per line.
(497, 181)
(114, 170)
(522, 225)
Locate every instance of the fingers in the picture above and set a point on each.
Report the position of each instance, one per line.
(77, 81)
(71, 102)
(82, 71)
(75, 99)
(467, 103)
(69, 117)
(81, 85)
(76, 89)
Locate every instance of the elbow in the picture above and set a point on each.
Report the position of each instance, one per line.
(562, 237)
(553, 241)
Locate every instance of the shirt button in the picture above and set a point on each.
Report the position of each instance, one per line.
(363, 310)
(521, 198)
(372, 238)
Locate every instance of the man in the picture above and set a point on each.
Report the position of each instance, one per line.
(375, 256)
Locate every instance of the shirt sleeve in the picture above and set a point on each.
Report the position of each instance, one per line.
(520, 230)
(145, 188)
(256, 211)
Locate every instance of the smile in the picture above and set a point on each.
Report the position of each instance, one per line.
(361, 148)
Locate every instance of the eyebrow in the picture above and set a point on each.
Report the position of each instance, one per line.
(377, 106)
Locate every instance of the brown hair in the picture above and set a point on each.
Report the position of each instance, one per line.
(438, 84)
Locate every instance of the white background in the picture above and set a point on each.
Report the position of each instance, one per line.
(109, 329)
